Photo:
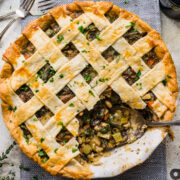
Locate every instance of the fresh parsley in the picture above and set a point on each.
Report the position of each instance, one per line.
(98, 38)
(74, 150)
(56, 150)
(132, 24)
(51, 80)
(61, 76)
(42, 140)
(60, 38)
(71, 105)
(88, 77)
(81, 29)
(35, 119)
(90, 92)
(84, 51)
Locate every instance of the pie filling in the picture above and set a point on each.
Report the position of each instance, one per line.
(28, 50)
(110, 124)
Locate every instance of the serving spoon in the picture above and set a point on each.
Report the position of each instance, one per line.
(162, 123)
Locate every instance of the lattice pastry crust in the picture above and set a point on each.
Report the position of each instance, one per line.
(48, 50)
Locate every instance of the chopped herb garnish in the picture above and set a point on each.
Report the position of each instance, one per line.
(98, 38)
(88, 77)
(61, 123)
(61, 76)
(65, 141)
(71, 20)
(140, 85)
(26, 88)
(47, 61)
(103, 79)
(81, 29)
(42, 139)
(152, 99)
(41, 153)
(15, 108)
(37, 90)
(135, 30)
(74, 150)
(88, 43)
(138, 74)
(132, 24)
(71, 105)
(37, 76)
(27, 140)
(52, 71)
(56, 150)
(35, 119)
(60, 38)
(117, 58)
(168, 76)
(164, 81)
(77, 22)
(52, 80)
(84, 51)
(23, 61)
(10, 108)
(90, 92)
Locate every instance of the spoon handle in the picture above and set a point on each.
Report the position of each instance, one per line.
(169, 123)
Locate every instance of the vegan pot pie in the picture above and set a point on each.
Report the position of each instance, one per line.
(73, 84)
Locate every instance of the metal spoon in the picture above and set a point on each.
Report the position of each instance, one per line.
(169, 123)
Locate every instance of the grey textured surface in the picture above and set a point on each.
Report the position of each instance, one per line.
(155, 167)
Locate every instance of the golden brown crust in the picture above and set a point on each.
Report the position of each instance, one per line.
(72, 169)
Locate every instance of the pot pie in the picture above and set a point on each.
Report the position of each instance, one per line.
(74, 83)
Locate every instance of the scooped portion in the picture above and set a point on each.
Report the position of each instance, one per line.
(110, 124)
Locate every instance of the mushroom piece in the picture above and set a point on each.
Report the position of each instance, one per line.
(137, 126)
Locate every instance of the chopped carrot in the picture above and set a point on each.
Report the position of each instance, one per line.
(26, 56)
(67, 137)
(150, 62)
(106, 116)
(150, 103)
